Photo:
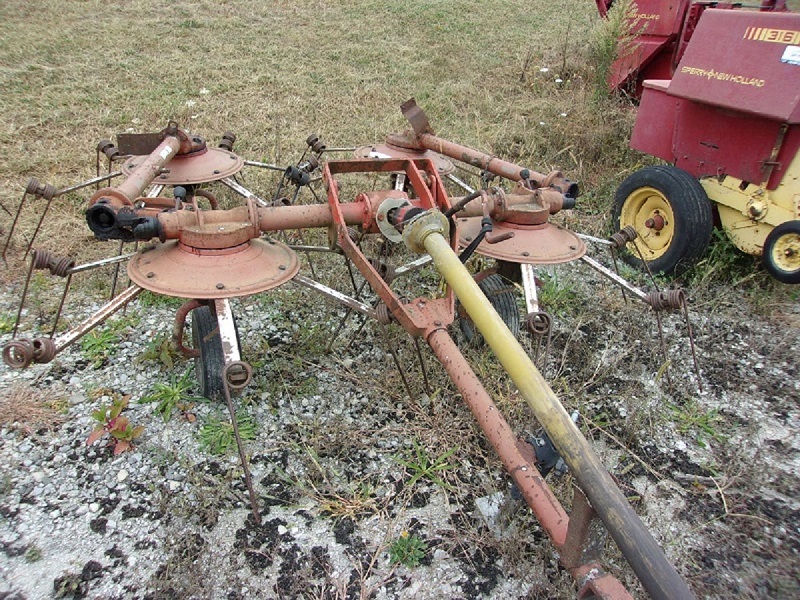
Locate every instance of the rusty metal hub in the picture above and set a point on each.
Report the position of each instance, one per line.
(444, 166)
(177, 269)
(212, 164)
(544, 244)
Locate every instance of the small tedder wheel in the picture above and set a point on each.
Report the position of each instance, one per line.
(671, 214)
(782, 252)
(211, 362)
(500, 294)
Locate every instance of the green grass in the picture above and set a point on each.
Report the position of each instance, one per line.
(421, 465)
(216, 433)
(98, 345)
(407, 550)
(174, 396)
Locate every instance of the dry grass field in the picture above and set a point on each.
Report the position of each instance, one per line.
(714, 474)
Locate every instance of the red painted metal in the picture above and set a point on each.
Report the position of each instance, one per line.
(545, 244)
(381, 151)
(650, 53)
(519, 461)
(175, 269)
(661, 31)
(212, 165)
(729, 110)
(421, 315)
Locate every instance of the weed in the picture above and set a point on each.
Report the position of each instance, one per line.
(407, 550)
(118, 427)
(423, 467)
(555, 297)
(6, 323)
(612, 39)
(216, 434)
(357, 501)
(33, 554)
(160, 350)
(172, 396)
(98, 345)
(693, 418)
(723, 262)
(148, 299)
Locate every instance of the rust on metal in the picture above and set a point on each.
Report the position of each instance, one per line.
(210, 256)
(214, 164)
(545, 244)
(520, 463)
(443, 164)
(179, 325)
(175, 269)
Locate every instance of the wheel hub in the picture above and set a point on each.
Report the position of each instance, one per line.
(648, 211)
(655, 222)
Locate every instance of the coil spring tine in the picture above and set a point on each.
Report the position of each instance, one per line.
(349, 266)
(24, 294)
(61, 305)
(691, 344)
(346, 316)
(663, 348)
(616, 270)
(14, 223)
(388, 340)
(242, 456)
(422, 366)
(115, 276)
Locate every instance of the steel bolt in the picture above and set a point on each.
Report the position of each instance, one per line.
(526, 253)
(282, 267)
(150, 275)
(216, 172)
(437, 323)
(220, 286)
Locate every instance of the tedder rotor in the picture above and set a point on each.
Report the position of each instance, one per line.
(208, 257)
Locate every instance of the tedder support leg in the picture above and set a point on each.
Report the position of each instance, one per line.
(428, 233)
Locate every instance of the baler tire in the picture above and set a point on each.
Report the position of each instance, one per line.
(676, 197)
(781, 255)
(500, 294)
(210, 363)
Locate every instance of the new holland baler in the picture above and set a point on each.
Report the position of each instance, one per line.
(728, 122)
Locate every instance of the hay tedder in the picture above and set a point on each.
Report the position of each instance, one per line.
(209, 256)
(720, 102)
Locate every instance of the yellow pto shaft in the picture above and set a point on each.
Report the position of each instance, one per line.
(428, 233)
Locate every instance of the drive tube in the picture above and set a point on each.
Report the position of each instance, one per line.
(428, 233)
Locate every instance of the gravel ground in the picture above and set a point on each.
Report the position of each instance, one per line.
(714, 473)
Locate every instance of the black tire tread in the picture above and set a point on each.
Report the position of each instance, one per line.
(502, 297)
(211, 362)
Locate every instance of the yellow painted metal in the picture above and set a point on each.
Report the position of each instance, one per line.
(648, 203)
(643, 553)
(749, 212)
(786, 252)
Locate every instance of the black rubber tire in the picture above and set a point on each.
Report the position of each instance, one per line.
(502, 296)
(781, 256)
(209, 365)
(682, 200)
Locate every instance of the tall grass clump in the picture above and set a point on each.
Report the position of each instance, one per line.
(613, 38)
